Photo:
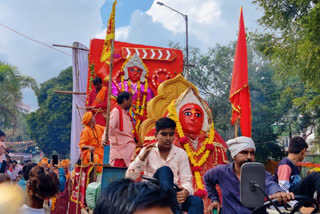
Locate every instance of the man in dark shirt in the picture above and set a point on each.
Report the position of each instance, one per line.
(287, 174)
(228, 178)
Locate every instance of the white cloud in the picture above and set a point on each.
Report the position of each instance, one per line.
(63, 22)
(121, 34)
(210, 22)
(59, 22)
(143, 30)
(198, 11)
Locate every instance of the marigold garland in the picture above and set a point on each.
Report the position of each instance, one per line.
(54, 201)
(204, 150)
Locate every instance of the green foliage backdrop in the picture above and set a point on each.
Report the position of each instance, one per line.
(50, 125)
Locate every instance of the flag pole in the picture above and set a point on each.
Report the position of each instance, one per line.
(109, 93)
(236, 129)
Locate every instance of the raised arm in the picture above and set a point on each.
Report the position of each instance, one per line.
(104, 104)
(139, 164)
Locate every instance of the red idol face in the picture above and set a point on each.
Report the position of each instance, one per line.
(134, 73)
(191, 117)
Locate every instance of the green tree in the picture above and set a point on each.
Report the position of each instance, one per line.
(212, 75)
(11, 84)
(291, 41)
(50, 125)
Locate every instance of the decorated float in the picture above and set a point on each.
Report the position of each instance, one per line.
(153, 76)
(179, 100)
(138, 69)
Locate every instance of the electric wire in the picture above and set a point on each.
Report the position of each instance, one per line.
(42, 43)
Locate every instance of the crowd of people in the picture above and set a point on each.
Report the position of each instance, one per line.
(7, 166)
(170, 189)
(41, 184)
(170, 175)
(169, 165)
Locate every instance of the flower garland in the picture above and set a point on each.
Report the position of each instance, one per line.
(139, 108)
(204, 150)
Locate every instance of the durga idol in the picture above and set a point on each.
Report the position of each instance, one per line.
(197, 136)
(134, 79)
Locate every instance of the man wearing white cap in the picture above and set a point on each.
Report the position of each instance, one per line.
(228, 178)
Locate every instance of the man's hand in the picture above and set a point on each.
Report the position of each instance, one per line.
(182, 195)
(282, 196)
(91, 148)
(58, 165)
(214, 205)
(51, 164)
(146, 152)
(105, 143)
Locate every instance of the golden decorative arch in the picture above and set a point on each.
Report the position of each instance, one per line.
(157, 107)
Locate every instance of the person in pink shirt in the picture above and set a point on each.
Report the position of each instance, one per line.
(121, 129)
(169, 164)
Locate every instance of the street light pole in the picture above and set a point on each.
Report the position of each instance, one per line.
(187, 46)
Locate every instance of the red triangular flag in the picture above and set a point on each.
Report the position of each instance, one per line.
(239, 92)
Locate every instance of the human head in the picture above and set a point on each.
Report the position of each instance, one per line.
(134, 73)
(165, 132)
(44, 162)
(3, 136)
(134, 69)
(28, 161)
(26, 169)
(124, 99)
(4, 178)
(87, 118)
(242, 149)
(97, 82)
(14, 163)
(298, 146)
(128, 197)
(190, 99)
(65, 163)
(191, 117)
(42, 183)
(20, 175)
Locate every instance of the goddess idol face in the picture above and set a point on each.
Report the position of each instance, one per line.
(191, 117)
(134, 73)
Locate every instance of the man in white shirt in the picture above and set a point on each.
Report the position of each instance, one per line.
(169, 164)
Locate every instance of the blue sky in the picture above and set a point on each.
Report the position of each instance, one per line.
(124, 10)
(137, 21)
